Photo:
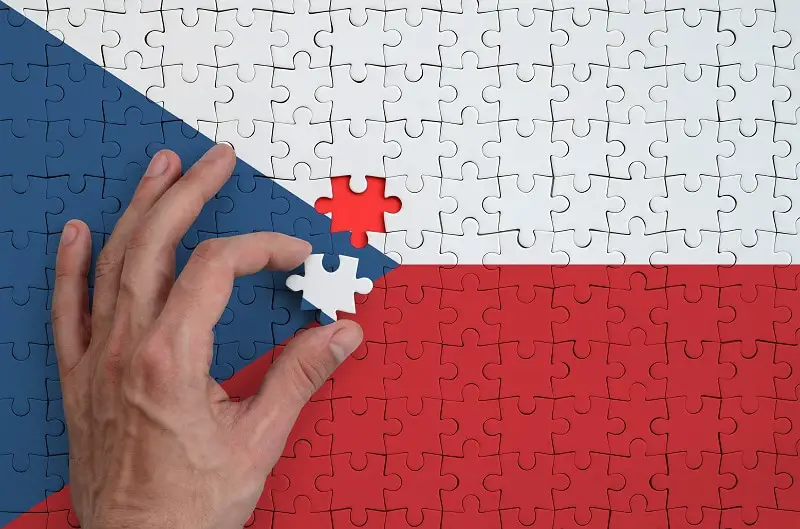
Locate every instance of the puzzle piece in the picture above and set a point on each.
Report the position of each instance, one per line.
(318, 287)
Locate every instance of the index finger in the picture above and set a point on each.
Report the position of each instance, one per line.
(203, 289)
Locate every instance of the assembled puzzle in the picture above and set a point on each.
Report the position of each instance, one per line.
(569, 228)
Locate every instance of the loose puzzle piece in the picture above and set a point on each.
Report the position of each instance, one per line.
(330, 291)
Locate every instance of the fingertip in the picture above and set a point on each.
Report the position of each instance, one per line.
(173, 159)
(68, 234)
(221, 151)
(300, 249)
(345, 339)
(73, 231)
(287, 252)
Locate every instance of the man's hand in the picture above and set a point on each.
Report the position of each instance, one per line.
(154, 441)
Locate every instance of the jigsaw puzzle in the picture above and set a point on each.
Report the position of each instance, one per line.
(568, 228)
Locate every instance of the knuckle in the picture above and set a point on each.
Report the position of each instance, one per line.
(192, 198)
(153, 364)
(107, 262)
(64, 272)
(195, 202)
(128, 284)
(139, 238)
(57, 313)
(209, 250)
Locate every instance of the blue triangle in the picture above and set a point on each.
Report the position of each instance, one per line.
(74, 141)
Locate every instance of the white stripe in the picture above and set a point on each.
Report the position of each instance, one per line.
(663, 182)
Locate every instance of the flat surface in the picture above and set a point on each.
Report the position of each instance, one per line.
(580, 219)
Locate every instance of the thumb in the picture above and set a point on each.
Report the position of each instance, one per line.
(301, 370)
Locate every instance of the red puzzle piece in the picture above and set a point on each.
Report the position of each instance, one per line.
(373, 313)
(348, 485)
(588, 432)
(362, 375)
(420, 432)
(421, 376)
(638, 469)
(527, 484)
(471, 302)
(756, 375)
(755, 486)
(589, 372)
(693, 433)
(421, 485)
(693, 377)
(301, 471)
(638, 413)
(637, 357)
(359, 434)
(693, 321)
(471, 470)
(754, 318)
(305, 428)
(589, 486)
(526, 371)
(588, 320)
(469, 360)
(420, 320)
(514, 316)
(526, 432)
(470, 414)
(693, 486)
(755, 432)
(637, 302)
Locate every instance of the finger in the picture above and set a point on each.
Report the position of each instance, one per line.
(298, 373)
(164, 170)
(203, 289)
(149, 270)
(70, 311)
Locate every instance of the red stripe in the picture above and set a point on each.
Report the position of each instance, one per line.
(567, 395)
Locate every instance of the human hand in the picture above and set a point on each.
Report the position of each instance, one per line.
(154, 441)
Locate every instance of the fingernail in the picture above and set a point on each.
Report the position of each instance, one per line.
(69, 234)
(345, 341)
(218, 151)
(159, 165)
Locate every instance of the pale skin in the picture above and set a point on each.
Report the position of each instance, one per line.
(154, 441)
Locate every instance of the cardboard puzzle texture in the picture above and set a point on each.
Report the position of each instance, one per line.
(579, 219)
